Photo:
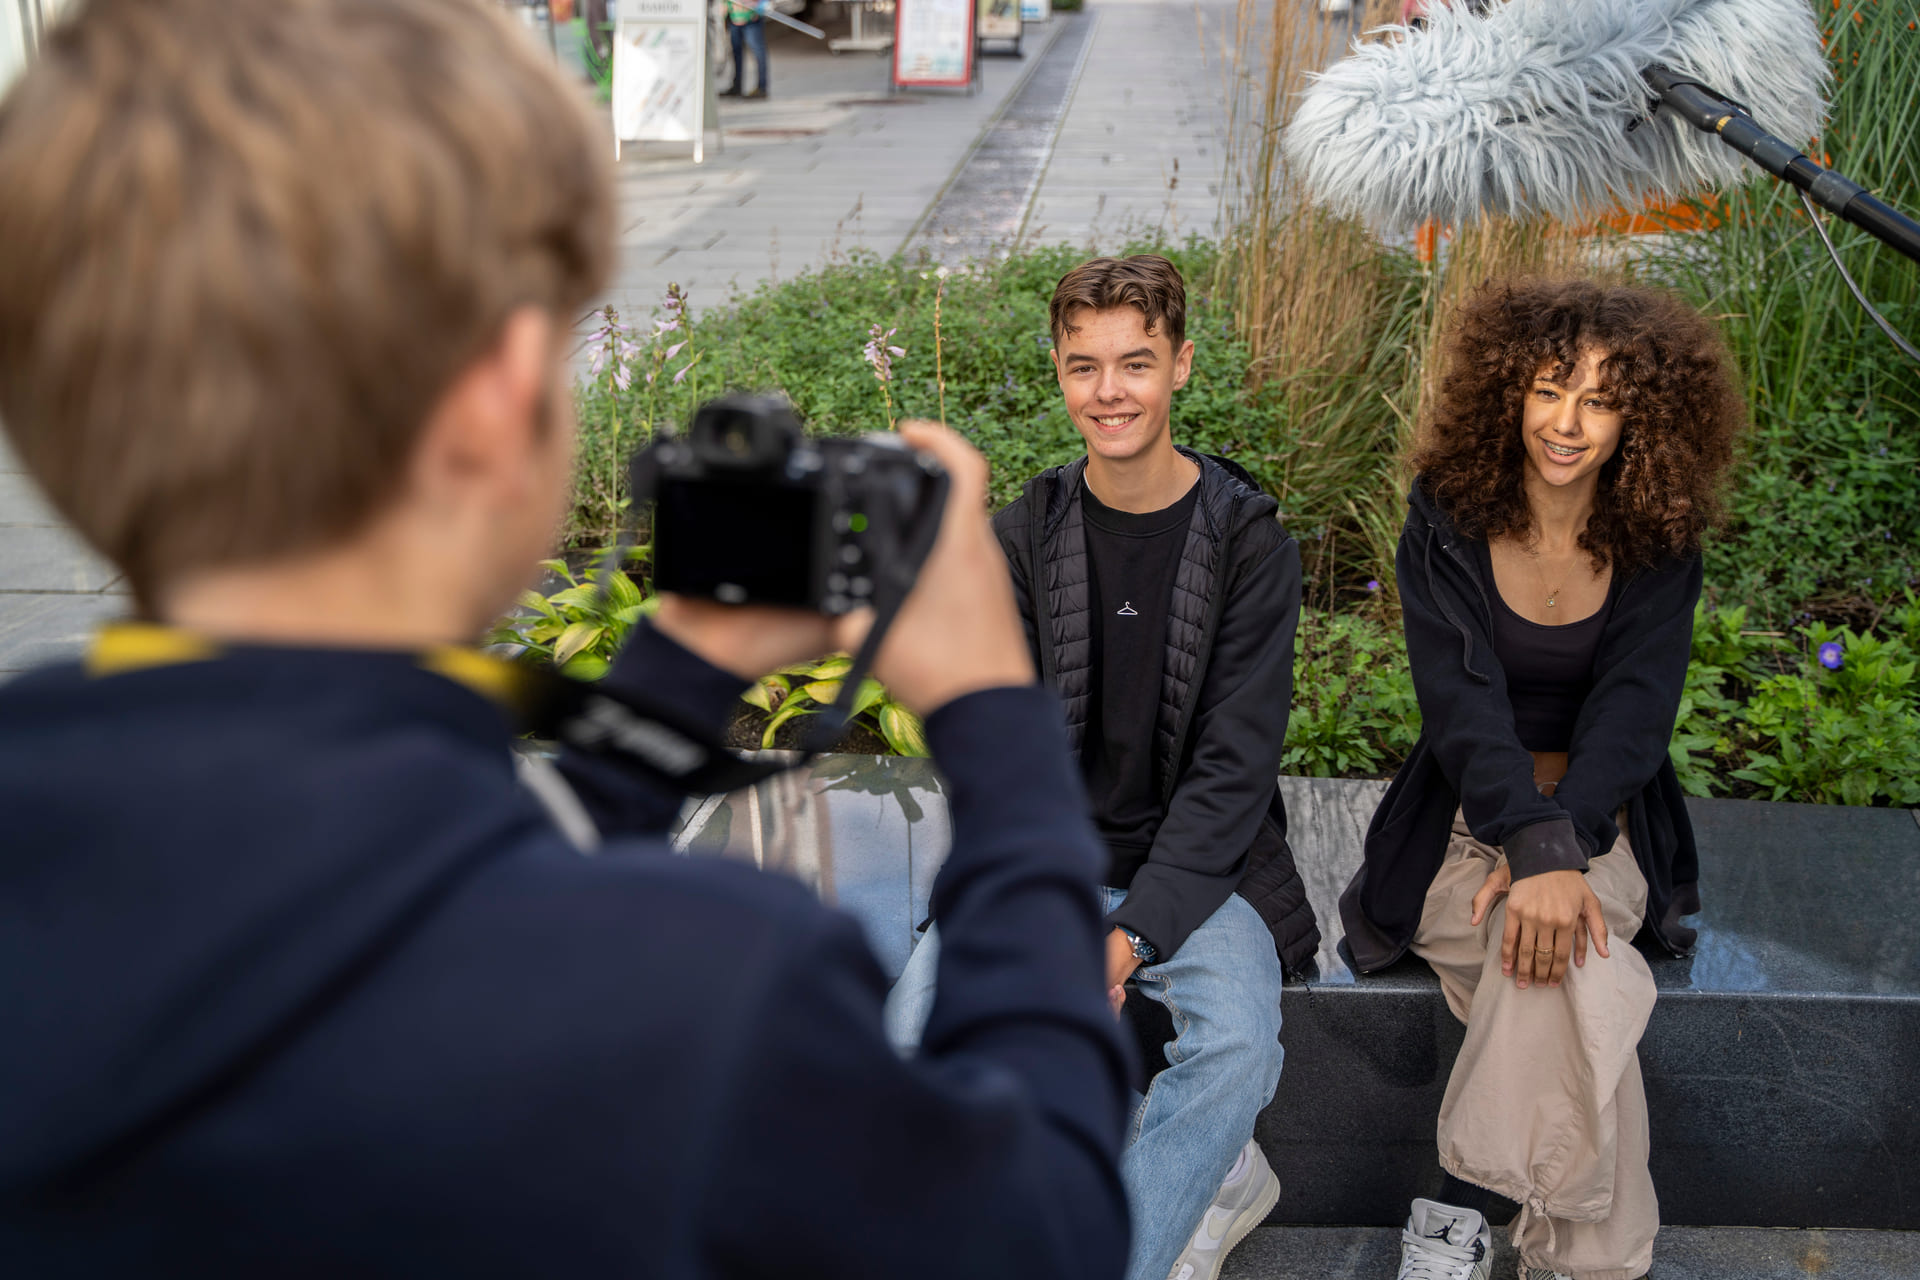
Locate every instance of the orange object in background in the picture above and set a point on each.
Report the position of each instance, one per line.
(562, 10)
(1656, 217)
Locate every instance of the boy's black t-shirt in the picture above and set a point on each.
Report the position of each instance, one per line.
(1132, 560)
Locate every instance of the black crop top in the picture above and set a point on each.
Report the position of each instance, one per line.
(1549, 669)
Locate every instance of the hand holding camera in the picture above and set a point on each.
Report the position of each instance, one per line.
(770, 548)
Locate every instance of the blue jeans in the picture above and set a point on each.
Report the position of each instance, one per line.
(1223, 990)
(754, 35)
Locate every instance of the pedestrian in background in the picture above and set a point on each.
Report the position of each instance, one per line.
(745, 27)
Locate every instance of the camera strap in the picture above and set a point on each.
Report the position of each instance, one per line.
(635, 730)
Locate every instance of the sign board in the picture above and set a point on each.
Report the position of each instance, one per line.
(1036, 10)
(933, 43)
(999, 20)
(660, 73)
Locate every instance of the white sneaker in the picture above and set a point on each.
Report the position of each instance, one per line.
(1441, 1242)
(1237, 1208)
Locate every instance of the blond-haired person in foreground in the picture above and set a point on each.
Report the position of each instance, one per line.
(298, 980)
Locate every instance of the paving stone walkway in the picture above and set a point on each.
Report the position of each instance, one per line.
(53, 589)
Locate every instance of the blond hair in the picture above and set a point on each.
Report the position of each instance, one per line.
(245, 245)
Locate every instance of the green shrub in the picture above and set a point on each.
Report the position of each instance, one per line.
(1823, 714)
(1824, 513)
(1354, 712)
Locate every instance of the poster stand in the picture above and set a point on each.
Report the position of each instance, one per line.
(663, 87)
(935, 45)
(999, 20)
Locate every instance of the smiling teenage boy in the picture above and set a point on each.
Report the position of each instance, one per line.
(1160, 595)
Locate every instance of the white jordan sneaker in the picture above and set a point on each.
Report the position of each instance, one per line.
(1238, 1207)
(1441, 1242)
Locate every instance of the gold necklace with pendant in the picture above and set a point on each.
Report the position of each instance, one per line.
(1552, 592)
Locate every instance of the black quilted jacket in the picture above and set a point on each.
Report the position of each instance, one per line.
(1225, 688)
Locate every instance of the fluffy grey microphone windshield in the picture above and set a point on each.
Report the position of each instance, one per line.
(1539, 107)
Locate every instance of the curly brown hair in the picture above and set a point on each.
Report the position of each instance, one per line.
(1667, 370)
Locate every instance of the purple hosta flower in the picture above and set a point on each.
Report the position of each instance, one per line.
(1832, 657)
(879, 354)
(681, 376)
(1373, 584)
(609, 327)
(622, 377)
(675, 349)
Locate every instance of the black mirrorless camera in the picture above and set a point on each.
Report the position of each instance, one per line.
(747, 509)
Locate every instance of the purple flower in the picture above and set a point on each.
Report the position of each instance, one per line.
(1373, 584)
(623, 377)
(674, 350)
(1831, 655)
(681, 376)
(880, 355)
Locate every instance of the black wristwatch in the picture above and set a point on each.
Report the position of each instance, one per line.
(1142, 949)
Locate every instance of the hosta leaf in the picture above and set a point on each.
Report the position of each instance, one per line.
(901, 728)
(579, 599)
(585, 666)
(537, 602)
(831, 668)
(621, 593)
(574, 639)
(869, 693)
(821, 691)
(766, 693)
(791, 709)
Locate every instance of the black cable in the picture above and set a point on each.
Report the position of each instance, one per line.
(1858, 296)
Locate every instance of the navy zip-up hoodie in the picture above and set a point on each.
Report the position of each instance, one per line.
(1469, 757)
(296, 980)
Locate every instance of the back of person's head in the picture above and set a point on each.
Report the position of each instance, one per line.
(1145, 281)
(247, 245)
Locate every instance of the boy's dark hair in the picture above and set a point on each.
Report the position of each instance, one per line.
(1145, 280)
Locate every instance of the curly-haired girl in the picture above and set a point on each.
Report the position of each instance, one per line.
(1548, 573)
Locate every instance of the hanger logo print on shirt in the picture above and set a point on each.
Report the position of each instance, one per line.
(1127, 611)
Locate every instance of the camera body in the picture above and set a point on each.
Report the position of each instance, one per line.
(747, 509)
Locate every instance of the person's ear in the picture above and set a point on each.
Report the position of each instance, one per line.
(489, 424)
(1183, 364)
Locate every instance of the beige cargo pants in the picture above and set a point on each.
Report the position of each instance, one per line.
(1545, 1105)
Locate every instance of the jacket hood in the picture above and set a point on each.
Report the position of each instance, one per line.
(201, 858)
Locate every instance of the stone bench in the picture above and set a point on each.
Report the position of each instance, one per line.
(1780, 1060)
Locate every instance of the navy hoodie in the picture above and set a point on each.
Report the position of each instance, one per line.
(296, 980)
